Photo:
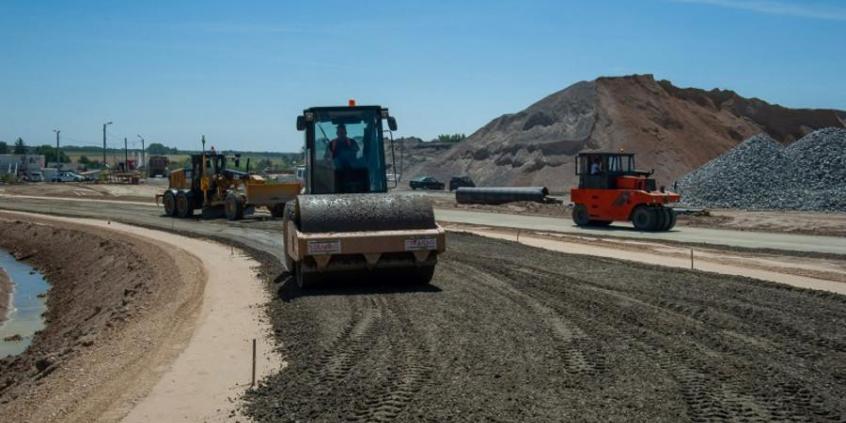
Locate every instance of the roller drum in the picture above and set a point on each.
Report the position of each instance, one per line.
(363, 212)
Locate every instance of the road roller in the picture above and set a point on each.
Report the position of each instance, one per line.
(612, 189)
(345, 225)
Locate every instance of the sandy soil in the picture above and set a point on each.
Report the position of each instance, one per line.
(799, 222)
(5, 295)
(139, 335)
(142, 192)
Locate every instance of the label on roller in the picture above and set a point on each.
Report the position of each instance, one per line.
(324, 247)
(417, 244)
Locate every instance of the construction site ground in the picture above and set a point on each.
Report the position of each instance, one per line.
(795, 222)
(511, 332)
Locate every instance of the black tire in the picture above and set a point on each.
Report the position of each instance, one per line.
(580, 215)
(672, 214)
(665, 212)
(661, 219)
(643, 218)
(278, 210)
(169, 202)
(184, 209)
(288, 215)
(422, 275)
(233, 206)
(306, 279)
(601, 223)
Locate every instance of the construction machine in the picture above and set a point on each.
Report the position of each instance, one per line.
(612, 189)
(346, 224)
(211, 187)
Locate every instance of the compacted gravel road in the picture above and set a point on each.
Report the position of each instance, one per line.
(506, 332)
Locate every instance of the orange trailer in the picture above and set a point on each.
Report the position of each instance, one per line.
(611, 189)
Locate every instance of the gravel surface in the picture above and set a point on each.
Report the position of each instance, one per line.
(512, 333)
(761, 174)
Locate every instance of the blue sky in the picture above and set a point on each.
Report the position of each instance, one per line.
(239, 72)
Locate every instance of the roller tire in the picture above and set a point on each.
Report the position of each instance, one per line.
(580, 215)
(233, 206)
(673, 217)
(278, 210)
(661, 219)
(422, 275)
(288, 215)
(306, 280)
(643, 218)
(183, 205)
(169, 202)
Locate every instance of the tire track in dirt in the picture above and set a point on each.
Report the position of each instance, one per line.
(511, 333)
(727, 401)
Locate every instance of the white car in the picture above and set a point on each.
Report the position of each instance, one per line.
(70, 177)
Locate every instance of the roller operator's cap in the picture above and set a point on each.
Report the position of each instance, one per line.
(351, 102)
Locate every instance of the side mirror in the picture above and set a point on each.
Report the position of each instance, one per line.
(392, 123)
(301, 123)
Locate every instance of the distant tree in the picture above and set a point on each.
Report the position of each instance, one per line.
(49, 153)
(453, 138)
(20, 147)
(160, 149)
(4, 148)
(84, 160)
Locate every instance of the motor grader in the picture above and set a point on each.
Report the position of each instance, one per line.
(612, 189)
(346, 226)
(210, 186)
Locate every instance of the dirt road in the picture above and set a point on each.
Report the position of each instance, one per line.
(508, 332)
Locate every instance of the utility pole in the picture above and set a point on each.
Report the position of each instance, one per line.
(143, 153)
(58, 155)
(125, 156)
(104, 142)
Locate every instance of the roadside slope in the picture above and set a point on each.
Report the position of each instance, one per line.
(156, 371)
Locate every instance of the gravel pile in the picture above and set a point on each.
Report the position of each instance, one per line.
(759, 173)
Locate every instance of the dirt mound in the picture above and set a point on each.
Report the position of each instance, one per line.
(762, 174)
(673, 130)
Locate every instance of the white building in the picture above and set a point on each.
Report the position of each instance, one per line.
(20, 164)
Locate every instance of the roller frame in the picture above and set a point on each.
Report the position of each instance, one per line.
(369, 244)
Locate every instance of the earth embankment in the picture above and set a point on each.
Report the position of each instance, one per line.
(5, 294)
(117, 305)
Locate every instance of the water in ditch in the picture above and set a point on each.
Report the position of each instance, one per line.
(26, 308)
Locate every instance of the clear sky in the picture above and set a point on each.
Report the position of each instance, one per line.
(239, 72)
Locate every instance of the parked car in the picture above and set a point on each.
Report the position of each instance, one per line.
(460, 181)
(70, 177)
(426, 182)
(34, 177)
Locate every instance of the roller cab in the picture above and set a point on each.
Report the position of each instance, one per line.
(345, 225)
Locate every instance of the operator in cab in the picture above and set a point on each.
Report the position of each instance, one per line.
(342, 150)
